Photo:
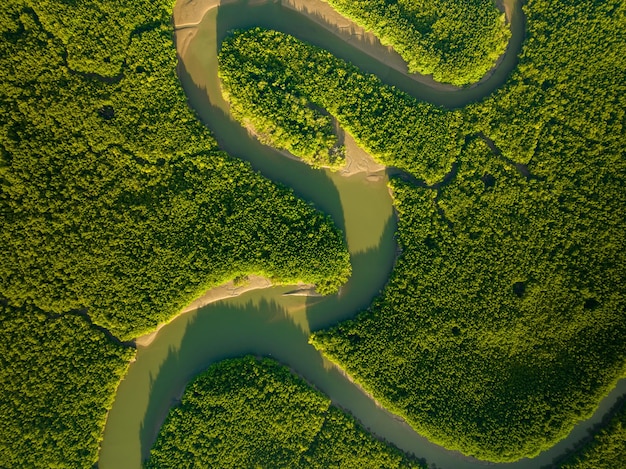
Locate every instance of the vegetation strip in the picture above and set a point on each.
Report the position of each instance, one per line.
(283, 87)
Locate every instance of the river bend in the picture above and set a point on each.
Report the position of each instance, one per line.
(270, 322)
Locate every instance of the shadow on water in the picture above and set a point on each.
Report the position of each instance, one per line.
(342, 44)
(256, 325)
(309, 184)
(266, 322)
(370, 271)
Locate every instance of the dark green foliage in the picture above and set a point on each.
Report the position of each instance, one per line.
(470, 361)
(456, 41)
(270, 77)
(58, 377)
(607, 449)
(246, 412)
(562, 82)
(503, 323)
(116, 199)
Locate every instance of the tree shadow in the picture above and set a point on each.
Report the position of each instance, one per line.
(371, 270)
(260, 327)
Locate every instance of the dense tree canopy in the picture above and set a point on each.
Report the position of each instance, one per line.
(254, 413)
(115, 198)
(58, 378)
(502, 324)
(96, 33)
(490, 337)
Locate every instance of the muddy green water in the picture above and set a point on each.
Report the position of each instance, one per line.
(266, 322)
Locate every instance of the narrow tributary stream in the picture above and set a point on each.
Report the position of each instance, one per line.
(268, 322)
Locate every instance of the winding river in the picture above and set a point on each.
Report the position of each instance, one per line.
(271, 322)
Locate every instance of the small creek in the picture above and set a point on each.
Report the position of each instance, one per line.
(268, 322)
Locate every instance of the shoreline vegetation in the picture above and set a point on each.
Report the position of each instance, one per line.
(116, 201)
(230, 289)
(455, 42)
(249, 412)
(297, 75)
(174, 203)
(606, 448)
(58, 381)
(356, 160)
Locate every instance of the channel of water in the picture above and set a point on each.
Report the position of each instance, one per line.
(268, 322)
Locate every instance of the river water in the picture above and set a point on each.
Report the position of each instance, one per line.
(269, 322)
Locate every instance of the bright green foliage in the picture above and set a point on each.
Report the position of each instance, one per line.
(255, 413)
(96, 33)
(457, 41)
(270, 77)
(607, 450)
(503, 323)
(58, 378)
(282, 118)
(116, 199)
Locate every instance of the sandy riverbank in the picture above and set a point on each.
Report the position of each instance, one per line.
(323, 14)
(189, 13)
(358, 161)
(223, 292)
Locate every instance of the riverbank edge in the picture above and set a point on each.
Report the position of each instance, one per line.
(111, 403)
(357, 160)
(224, 291)
(399, 415)
(187, 14)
